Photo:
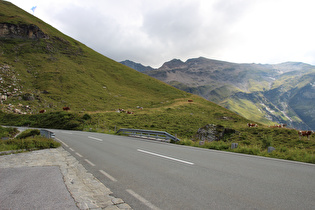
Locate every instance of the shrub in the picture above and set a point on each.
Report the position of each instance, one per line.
(217, 145)
(248, 150)
(86, 117)
(266, 141)
(8, 132)
(186, 142)
(28, 133)
(36, 142)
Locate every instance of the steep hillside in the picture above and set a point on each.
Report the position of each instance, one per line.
(280, 93)
(45, 69)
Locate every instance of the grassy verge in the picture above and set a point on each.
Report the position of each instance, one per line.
(182, 119)
(27, 140)
(255, 141)
(8, 132)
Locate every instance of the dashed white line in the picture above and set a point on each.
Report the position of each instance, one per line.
(108, 176)
(71, 149)
(163, 156)
(141, 199)
(66, 132)
(89, 162)
(90, 137)
(78, 154)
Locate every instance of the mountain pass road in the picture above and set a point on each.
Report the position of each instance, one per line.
(149, 174)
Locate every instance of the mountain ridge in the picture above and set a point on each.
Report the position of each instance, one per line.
(273, 91)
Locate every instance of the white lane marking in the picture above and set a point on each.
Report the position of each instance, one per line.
(66, 132)
(90, 137)
(108, 176)
(89, 162)
(71, 149)
(78, 154)
(141, 199)
(62, 142)
(163, 156)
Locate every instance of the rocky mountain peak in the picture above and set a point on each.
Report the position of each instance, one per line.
(175, 63)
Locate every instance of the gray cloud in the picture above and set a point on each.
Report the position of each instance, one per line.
(152, 32)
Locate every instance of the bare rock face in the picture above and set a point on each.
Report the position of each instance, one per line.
(212, 132)
(8, 30)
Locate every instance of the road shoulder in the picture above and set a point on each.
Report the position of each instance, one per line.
(87, 191)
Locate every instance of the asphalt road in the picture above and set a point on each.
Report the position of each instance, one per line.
(148, 174)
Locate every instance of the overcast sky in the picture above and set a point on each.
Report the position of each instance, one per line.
(152, 32)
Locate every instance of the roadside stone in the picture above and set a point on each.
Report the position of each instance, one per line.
(87, 191)
(117, 201)
(112, 208)
(123, 206)
(270, 149)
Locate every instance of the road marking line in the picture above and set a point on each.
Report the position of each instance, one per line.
(78, 154)
(163, 156)
(108, 176)
(95, 138)
(141, 199)
(66, 132)
(71, 149)
(62, 142)
(89, 162)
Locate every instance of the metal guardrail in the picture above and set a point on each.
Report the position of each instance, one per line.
(46, 133)
(149, 134)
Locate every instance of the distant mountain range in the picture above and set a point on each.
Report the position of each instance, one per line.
(266, 93)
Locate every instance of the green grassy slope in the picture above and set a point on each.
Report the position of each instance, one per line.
(60, 71)
(56, 71)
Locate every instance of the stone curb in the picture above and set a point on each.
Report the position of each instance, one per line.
(87, 191)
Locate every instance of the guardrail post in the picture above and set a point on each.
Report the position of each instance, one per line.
(234, 145)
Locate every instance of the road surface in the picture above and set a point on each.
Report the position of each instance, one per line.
(148, 174)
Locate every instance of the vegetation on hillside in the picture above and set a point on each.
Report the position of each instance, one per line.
(8, 132)
(58, 71)
(27, 140)
(50, 73)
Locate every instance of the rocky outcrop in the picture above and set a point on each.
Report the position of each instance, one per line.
(24, 31)
(10, 84)
(212, 132)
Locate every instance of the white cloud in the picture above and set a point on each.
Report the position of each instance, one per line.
(152, 32)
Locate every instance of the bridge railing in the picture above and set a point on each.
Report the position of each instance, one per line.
(149, 134)
(46, 133)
